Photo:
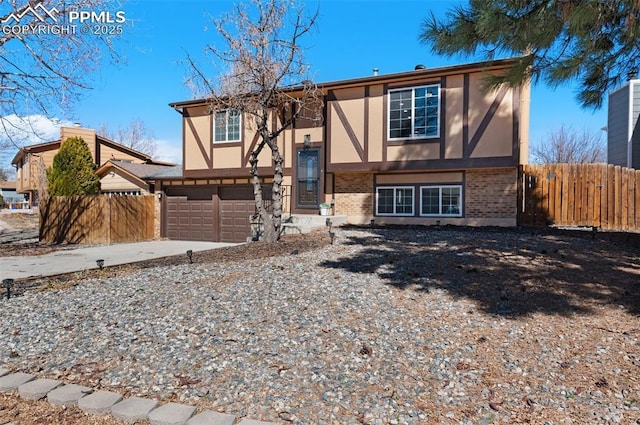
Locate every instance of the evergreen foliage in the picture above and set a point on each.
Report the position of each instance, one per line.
(592, 41)
(72, 172)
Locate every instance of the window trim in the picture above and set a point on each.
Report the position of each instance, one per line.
(413, 89)
(213, 129)
(394, 214)
(440, 187)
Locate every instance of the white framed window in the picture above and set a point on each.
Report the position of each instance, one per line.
(441, 201)
(414, 113)
(226, 126)
(397, 200)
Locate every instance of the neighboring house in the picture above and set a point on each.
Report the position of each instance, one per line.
(623, 126)
(119, 177)
(32, 161)
(422, 147)
(10, 199)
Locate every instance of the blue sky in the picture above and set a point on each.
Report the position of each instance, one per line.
(353, 37)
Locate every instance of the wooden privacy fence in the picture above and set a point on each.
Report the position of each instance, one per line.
(96, 219)
(594, 195)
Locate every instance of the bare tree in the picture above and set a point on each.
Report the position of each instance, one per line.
(46, 59)
(135, 135)
(567, 145)
(265, 72)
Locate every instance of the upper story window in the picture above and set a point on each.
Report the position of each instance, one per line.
(226, 126)
(414, 113)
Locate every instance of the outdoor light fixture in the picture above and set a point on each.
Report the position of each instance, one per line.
(307, 141)
(100, 263)
(8, 284)
(190, 256)
(328, 222)
(332, 235)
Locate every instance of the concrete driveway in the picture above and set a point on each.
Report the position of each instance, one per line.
(73, 260)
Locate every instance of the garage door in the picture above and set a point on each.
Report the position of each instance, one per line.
(189, 220)
(236, 206)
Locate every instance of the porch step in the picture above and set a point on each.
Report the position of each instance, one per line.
(305, 223)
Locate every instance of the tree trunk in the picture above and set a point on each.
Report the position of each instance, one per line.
(276, 192)
(271, 223)
(264, 221)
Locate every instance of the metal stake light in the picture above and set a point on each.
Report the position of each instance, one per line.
(8, 284)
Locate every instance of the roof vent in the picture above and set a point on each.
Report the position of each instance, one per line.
(375, 71)
(419, 66)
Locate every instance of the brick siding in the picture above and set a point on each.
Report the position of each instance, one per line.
(491, 193)
(354, 194)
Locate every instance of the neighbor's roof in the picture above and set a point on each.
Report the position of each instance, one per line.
(142, 171)
(47, 146)
(384, 78)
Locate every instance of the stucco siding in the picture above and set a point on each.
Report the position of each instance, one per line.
(197, 142)
(453, 127)
(376, 126)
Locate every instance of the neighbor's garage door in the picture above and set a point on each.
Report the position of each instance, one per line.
(189, 220)
(236, 206)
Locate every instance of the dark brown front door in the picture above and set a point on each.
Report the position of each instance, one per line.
(308, 178)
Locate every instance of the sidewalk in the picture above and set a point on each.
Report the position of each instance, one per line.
(73, 260)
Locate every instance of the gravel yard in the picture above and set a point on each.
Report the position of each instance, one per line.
(385, 326)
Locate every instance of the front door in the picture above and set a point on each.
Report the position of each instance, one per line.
(308, 178)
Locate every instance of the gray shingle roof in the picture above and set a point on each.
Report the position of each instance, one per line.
(149, 171)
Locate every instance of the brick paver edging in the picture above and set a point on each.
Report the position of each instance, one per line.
(130, 410)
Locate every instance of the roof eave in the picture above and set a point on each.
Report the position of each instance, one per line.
(377, 79)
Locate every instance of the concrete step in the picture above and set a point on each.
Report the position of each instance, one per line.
(305, 223)
(315, 219)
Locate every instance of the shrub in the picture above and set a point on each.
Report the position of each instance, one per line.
(73, 170)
